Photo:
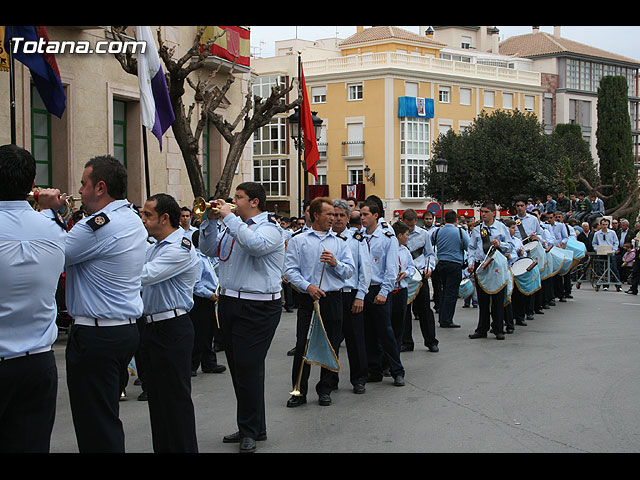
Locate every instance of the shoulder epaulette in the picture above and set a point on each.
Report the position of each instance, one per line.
(358, 236)
(339, 235)
(384, 225)
(389, 233)
(98, 221)
(271, 219)
(296, 233)
(186, 243)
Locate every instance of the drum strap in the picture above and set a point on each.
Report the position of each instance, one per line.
(417, 252)
(486, 240)
(523, 234)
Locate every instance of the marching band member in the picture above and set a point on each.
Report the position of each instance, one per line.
(488, 233)
(608, 237)
(406, 270)
(419, 244)
(383, 247)
(317, 263)
(168, 278)
(105, 255)
(353, 293)
(251, 254)
(32, 260)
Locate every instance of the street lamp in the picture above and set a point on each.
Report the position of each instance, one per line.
(298, 140)
(441, 168)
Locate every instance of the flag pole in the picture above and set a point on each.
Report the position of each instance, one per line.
(146, 161)
(300, 147)
(12, 88)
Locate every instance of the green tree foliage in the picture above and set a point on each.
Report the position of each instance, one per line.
(614, 141)
(578, 162)
(504, 154)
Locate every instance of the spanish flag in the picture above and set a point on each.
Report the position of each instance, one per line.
(233, 44)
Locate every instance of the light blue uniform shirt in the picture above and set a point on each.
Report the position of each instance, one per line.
(405, 265)
(597, 206)
(361, 279)
(515, 251)
(608, 238)
(383, 249)
(303, 266)
(103, 266)
(560, 234)
(530, 223)
(207, 283)
(420, 238)
(251, 255)
(169, 274)
(450, 244)
(497, 230)
(31, 261)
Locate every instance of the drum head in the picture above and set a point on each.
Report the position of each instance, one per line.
(520, 266)
(532, 245)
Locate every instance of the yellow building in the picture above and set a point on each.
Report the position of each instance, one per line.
(385, 94)
(102, 116)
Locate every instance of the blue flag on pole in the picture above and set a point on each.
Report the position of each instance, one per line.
(319, 350)
(42, 65)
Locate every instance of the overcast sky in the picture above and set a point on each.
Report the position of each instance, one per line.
(622, 40)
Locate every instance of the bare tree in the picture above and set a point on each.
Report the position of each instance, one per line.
(255, 113)
(629, 205)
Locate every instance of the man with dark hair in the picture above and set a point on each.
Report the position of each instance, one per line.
(380, 340)
(251, 253)
(169, 275)
(318, 262)
(450, 244)
(105, 255)
(32, 247)
(419, 244)
(185, 222)
(489, 233)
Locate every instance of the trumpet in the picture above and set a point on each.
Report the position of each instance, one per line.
(65, 210)
(200, 206)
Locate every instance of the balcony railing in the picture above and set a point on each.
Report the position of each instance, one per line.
(353, 149)
(369, 61)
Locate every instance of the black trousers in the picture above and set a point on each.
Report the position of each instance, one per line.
(29, 387)
(522, 304)
(96, 358)
(450, 277)
(398, 313)
(490, 311)
(421, 308)
(166, 347)
(203, 316)
(379, 336)
(353, 333)
(331, 313)
(248, 327)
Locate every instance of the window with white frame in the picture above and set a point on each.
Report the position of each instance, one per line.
(507, 101)
(489, 98)
(355, 91)
(415, 139)
(271, 173)
(444, 94)
(465, 96)
(465, 42)
(319, 94)
(528, 103)
(262, 85)
(271, 139)
(356, 176)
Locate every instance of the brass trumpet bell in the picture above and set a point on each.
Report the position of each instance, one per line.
(64, 211)
(200, 206)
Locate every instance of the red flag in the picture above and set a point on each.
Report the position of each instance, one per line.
(311, 154)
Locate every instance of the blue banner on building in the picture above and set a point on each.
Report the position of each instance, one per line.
(415, 107)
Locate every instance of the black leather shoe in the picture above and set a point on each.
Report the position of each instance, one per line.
(406, 348)
(499, 336)
(359, 388)
(569, 296)
(296, 401)
(291, 352)
(216, 369)
(324, 399)
(398, 381)
(143, 397)
(539, 312)
(194, 373)
(433, 348)
(521, 323)
(235, 437)
(374, 378)
(478, 335)
(546, 307)
(631, 292)
(562, 300)
(510, 331)
(247, 445)
(552, 303)
(529, 316)
(449, 325)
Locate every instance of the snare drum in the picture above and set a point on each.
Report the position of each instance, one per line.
(414, 283)
(526, 275)
(556, 260)
(509, 290)
(495, 276)
(568, 262)
(467, 288)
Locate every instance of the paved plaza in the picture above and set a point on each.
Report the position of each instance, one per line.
(568, 382)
